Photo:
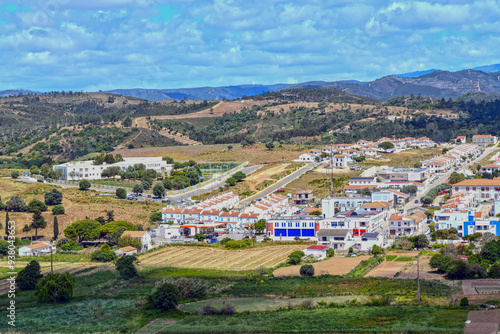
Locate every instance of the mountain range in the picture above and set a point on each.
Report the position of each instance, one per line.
(431, 83)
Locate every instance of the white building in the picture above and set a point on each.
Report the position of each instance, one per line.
(143, 236)
(484, 140)
(77, 170)
(318, 251)
(339, 161)
(38, 249)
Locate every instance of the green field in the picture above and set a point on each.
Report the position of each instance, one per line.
(390, 257)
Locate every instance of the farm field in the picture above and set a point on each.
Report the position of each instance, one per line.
(331, 266)
(215, 258)
(426, 272)
(404, 159)
(317, 182)
(387, 269)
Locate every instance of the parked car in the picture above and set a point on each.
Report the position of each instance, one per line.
(352, 255)
(416, 201)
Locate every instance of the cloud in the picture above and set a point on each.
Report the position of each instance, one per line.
(104, 44)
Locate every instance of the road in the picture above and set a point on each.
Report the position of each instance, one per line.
(211, 186)
(280, 184)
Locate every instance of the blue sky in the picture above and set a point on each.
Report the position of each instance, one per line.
(107, 44)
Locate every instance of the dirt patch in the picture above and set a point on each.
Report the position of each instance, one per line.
(426, 272)
(481, 287)
(482, 322)
(387, 269)
(332, 266)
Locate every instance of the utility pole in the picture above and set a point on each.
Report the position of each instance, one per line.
(51, 265)
(331, 166)
(418, 278)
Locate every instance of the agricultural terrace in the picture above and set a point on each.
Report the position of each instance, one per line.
(331, 266)
(216, 258)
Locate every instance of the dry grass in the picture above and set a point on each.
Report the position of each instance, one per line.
(78, 205)
(317, 182)
(331, 266)
(426, 272)
(215, 258)
(387, 269)
(405, 159)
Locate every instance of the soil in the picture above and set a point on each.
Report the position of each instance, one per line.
(331, 266)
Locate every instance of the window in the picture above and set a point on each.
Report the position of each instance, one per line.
(297, 224)
(290, 224)
(276, 224)
(304, 224)
(311, 224)
(283, 224)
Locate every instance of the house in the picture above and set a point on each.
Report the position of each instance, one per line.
(304, 197)
(339, 161)
(143, 236)
(358, 222)
(38, 249)
(482, 189)
(129, 250)
(307, 157)
(376, 207)
(338, 239)
(353, 190)
(362, 181)
(318, 251)
(403, 225)
(368, 240)
(489, 168)
(461, 140)
(484, 140)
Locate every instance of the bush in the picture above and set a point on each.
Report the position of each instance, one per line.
(166, 298)
(307, 270)
(58, 210)
(199, 236)
(189, 287)
(126, 267)
(14, 174)
(228, 309)
(294, 258)
(330, 252)
(225, 240)
(464, 302)
(53, 197)
(208, 310)
(121, 193)
(105, 254)
(36, 205)
(16, 204)
(238, 244)
(29, 276)
(84, 185)
(55, 288)
(494, 271)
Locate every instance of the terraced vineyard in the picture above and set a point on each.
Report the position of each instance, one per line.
(214, 258)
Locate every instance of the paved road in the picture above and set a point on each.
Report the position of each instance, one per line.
(281, 183)
(211, 186)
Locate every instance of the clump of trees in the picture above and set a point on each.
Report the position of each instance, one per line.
(429, 197)
(29, 276)
(55, 288)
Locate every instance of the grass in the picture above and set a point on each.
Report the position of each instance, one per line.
(405, 158)
(365, 266)
(390, 257)
(317, 182)
(415, 319)
(404, 258)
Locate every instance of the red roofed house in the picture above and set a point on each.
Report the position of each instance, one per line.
(128, 250)
(339, 161)
(484, 140)
(318, 251)
(143, 236)
(404, 225)
(303, 197)
(461, 140)
(38, 249)
(489, 168)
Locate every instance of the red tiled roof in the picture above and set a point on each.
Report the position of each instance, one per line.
(318, 247)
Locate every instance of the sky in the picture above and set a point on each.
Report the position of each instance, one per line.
(95, 45)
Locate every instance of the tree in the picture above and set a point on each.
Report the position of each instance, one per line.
(16, 204)
(166, 298)
(167, 183)
(455, 178)
(26, 229)
(86, 229)
(464, 302)
(494, 271)
(138, 189)
(127, 122)
(260, 226)
(111, 216)
(250, 140)
(55, 288)
(421, 241)
(53, 197)
(440, 262)
(38, 222)
(36, 205)
(199, 236)
(34, 170)
(159, 190)
(458, 270)
(295, 257)
(14, 174)
(128, 241)
(29, 276)
(269, 145)
(376, 250)
(4, 248)
(307, 270)
(105, 254)
(56, 228)
(121, 193)
(229, 147)
(7, 224)
(58, 210)
(330, 252)
(84, 184)
(238, 176)
(386, 146)
(113, 226)
(155, 217)
(115, 235)
(45, 170)
(126, 266)
(231, 181)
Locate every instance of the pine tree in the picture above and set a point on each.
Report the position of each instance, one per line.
(38, 222)
(26, 229)
(7, 224)
(56, 228)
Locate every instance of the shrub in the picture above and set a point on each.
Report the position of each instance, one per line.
(228, 309)
(16, 204)
(307, 270)
(126, 267)
(121, 193)
(225, 240)
(294, 259)
(129, 241)
(330, 252)
(166, 298)
(53, 197)
(208, 310)
(55, 288)
(84, 185)
(58, 210)
(238, 244)
(199, 236)
(464, 302)
(105, 254)
(351, 250)
(14, 174)
(494, 271)
(35, 205)
(29, 276)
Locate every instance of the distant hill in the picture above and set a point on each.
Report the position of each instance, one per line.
(201, 93)
(413, 74)
(15, 92)
(488, 68)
